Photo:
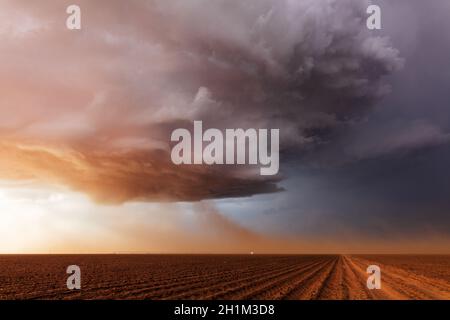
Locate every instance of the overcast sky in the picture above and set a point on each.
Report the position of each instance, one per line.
(87, 116)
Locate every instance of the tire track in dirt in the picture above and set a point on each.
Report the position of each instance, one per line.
(355, 286)
(385, 293)
(401, 284)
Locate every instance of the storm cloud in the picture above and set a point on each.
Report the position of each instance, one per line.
(363, 116)
(105, 99)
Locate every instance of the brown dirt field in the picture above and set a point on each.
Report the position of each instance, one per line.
(224, 277)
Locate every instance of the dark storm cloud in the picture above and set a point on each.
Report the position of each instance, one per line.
(305, 66)
(387, 176)
(364, 115)
(112, 92)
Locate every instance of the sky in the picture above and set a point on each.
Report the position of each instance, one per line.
(86, 119)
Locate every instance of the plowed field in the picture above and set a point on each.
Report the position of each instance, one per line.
(224, 277)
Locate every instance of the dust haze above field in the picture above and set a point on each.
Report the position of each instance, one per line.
(87, 116)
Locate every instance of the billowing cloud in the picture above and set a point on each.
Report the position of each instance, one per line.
(93, 109)
(119, 177)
